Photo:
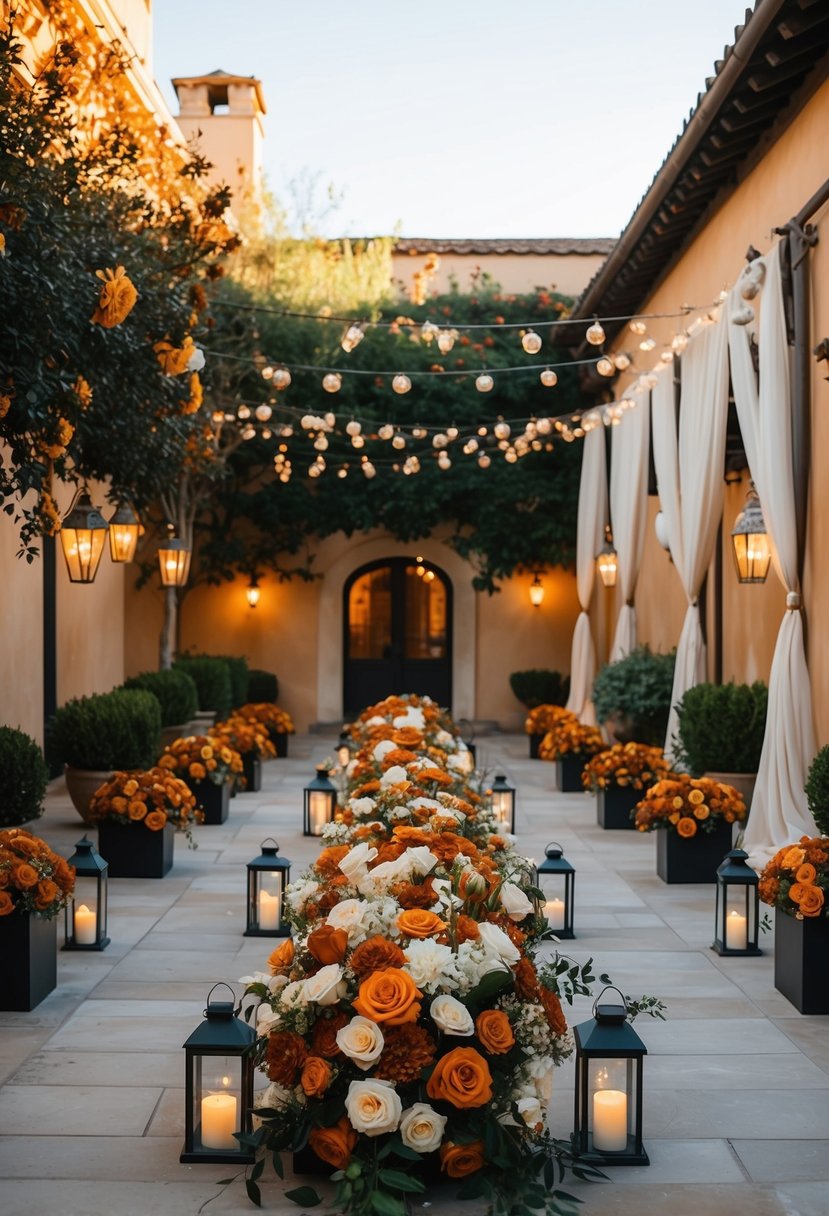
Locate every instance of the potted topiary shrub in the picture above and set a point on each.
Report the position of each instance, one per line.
(23, 778)
(262, 685)
(720, 732)
(540, 691)
(177, 696)
(94, 736)
(212, 680)
(633, 696)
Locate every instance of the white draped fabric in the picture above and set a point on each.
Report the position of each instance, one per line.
(629, 514)
(689, 473)
(590, 532)
(779, 811)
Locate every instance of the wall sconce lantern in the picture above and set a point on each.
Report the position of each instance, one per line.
(82, 536)
(503, 803)
(607, 559)
(608, 1114)
(253, 591)
(737, 915)
(218, 1086)
(86, 912)
(557, 879)
(319, 802)
(268, 876)
(752, 553)
(124, 530)
(536, 592)
(174, 560)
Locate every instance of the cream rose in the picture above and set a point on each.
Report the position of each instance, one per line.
(452, 1017)
(356, 860)
(496, 942)
(326, 987)
(514, 902)
(420, 859)
(382, 749)
(362, 1041)
(348, 915)
(394, 775)
(530, 1111)
(421, 1128)
(373, 1107)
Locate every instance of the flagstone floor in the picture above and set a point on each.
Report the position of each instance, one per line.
(91, 1103)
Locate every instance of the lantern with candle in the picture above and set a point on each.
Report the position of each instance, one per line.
(319, 803)
(218, 1086)
(86, 911)
(503, 803)
(737, 908)
(557, 879)
(268, 876)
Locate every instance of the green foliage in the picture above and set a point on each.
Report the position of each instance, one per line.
(637, 687)
(721, 727)
(237, 669)
(262, 685)
(175, 692)
(212, 679)
(539, 686)
(23, 778)
(107, 731)
(817, 790)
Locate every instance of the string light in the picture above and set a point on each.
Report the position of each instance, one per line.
(595, 334)
(428, 332)
(621, 361)
(548, 378)
(332, 382)
(263, 413)
(679, 342)
(638, 327)
(531, 342)
(605, 366)
(446, 340)
(484, 383)
(647, 344)
(281, 378)
(401, 384)
(352, 338)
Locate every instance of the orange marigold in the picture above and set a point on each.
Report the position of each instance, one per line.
(117, 298)
(287, 1052)
(375, 954)
(408, 1050)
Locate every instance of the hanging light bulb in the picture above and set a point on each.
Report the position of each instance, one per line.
(470, 447)
(621, 361)
(595, 334)
(484, 383)
(501, 430)
(749, 539)
(510, 455)
(243, 412)
(399, 442)
(314, 470)
(531, 342)
(544, 426)
(321, 443)
(548, 378)
(368, 469)
(358, 441)
(679, 342)
(451, 433)
(267, 372)
(352, 337)
(386, 431)
(263, 413)
(638, 327)
(428, 332)
(253, 591)
(401, 383)
(330, 421)
(332, 382)
(605, 366)
(647, 344)
(484, 461)
(353, 427)
(343, 471)
(418, 432)
(607, 559)
(249, 432)
(446, 340)
(281, 378)
(444, 461)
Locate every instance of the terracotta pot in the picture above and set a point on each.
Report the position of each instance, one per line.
(81, 784)
(743, 783)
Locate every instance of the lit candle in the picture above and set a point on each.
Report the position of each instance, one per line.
(610, 1121)
(85, 926)
(218, 1121)
(318, 813)
(268, 911)
(736, 932)
(554, 911)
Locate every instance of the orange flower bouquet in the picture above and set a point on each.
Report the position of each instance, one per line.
(151, 798)
(796, 880)
(689, 805)
(544, 718)
(276, 720)
(571, 738)
(33, 878)
(244, 735)
(200, 758)
(629, 765)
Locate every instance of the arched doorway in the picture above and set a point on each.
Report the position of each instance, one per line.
(397, 616)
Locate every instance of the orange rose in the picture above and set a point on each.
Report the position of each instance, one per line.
(461, 1077)
(282, 957)
(686, 827)
(796, 892)
(315, 1077)
(811, 901)
(494, 1031)
(197, 771)
(327, 944)
(47, 893)
(701, 811)
(418, 922)
(792, 858)
(334, 1145)
(806, 873)
(458, 1160)
(552, 1008)
(137, 809)
(24, 876)
(389, 996)
(6, 903)
(156, 820)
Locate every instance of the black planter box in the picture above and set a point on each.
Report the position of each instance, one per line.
(694, 859)
(133, 851)
(568, 774)
(613, 807)
(29, 950)
(280, 742)
(801, 961)
(252, 773)
(213, 799)
(535, 743)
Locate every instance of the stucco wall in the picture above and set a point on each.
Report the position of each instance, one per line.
(21, 654)
(568, 274)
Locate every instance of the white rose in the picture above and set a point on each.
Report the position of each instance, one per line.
(394, 775)
(530, 1111)
(429, 963)
(298, 893)
(362, 1041)
(444, 739)
(450, 1016)
(266, 1019)
(351, 915)
(421, 1128)
(376, 721)
(421, 860)
(541, 1071)
(430, 803)
(514, 901)
(495, 941)
(196, 361)
(293, 995)
(327, 986)
(382, 749)
(356, 860)
(362, 807)
(373, 1107)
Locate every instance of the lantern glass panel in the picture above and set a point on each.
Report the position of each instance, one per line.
(611, 1104)
(752, 556)
(89, 912)
(319, 806)
(82, 548)
(218, 1109)
(268, 899)
(607, 568)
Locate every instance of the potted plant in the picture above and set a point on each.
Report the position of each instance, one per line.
(207, 767)
(137, 814)
(571, 744)
(177, 697)
(35, 886)
(278, 722)
(796, 883)
(212, 679)
(693, 818)
(23, 778)
(250, 739)
(720, 733)
(617, 776)
(262, 685)
(633, 696)
(95, 736)
(541, 719)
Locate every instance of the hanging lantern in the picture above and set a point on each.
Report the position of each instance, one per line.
(174, 560)
(319, 802)
(536, 592)
(752, 553)
(82, 535)
(124, 530)
(503, 803)
(218, 1086)
(531, 342)
(352, 337)
(344, 750)
(608, 1109)
(86, 912)
(607, 559)
(253, 591)
(268, 876)
(557, 879)
(595, 334)
(737, 915)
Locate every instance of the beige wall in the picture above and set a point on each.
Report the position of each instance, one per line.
(568, 274)
(21, 654)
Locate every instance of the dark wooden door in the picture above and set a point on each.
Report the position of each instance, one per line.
(398, 632)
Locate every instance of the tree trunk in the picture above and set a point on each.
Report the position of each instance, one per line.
(168, 630)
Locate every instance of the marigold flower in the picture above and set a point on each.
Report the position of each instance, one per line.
(287, 1052)
(406, 1052)
(117, 298)
(376, 954)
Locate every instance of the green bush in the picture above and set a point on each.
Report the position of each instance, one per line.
(539, 686)
(637, 688)
(23, 778)
(817, 790)
(175, 691)
(109, 731)
(237, 668)
(721, 728)
(212, 679)
(262, 685)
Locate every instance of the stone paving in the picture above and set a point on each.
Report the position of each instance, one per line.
(91, 1103)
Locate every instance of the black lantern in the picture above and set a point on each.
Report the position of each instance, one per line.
(268, 877)
(608, 1114)
(218, 1086)
(466, 729)
(82, 537)
(344, 750)
(124, 530)
(319, 803)
(503, 803)
(738, 907)
(607, 559)
(557, 879)
(749, 539)
(86, 912)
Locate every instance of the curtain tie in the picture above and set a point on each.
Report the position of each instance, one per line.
(793, 601)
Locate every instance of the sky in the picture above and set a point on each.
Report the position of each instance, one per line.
(490, 118)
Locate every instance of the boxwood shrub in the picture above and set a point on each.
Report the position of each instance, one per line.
(212, 679)
(175, 690)
(112, 730)
(23, 778)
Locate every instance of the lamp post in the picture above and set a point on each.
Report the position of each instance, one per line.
(557, 879)
(124, 530)
(268, 876)
(82, 536)
(503, 803)
(736, 921)
(607, 559)
(86, 912)
(319, 801)
(750, 542)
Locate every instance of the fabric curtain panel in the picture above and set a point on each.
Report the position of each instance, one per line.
(592, 515)
(629, 513)
(779, 811)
